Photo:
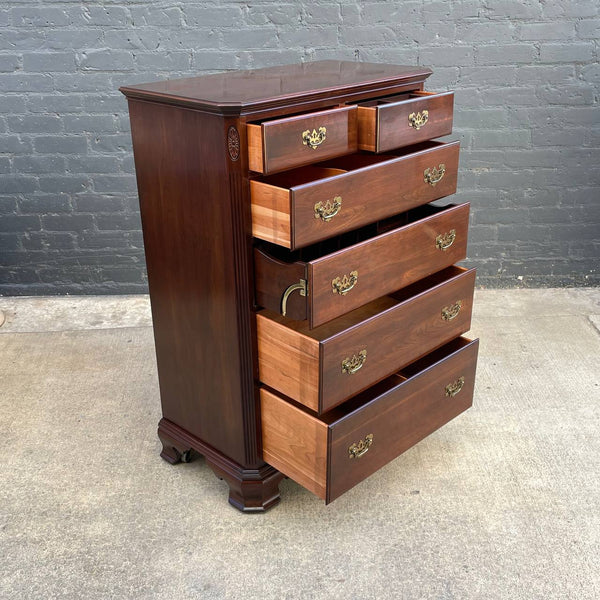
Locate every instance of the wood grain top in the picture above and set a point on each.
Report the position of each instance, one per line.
(236, 92)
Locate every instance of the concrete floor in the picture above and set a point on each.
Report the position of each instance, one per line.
(502, 503)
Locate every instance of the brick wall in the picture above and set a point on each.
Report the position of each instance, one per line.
(526, 74)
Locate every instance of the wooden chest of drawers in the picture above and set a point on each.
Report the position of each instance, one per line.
(307, 308)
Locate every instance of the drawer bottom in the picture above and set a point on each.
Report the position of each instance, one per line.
(330, 454)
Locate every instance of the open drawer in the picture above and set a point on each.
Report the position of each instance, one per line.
(322, 367)
(329, 279)
(396, 121)
(302, 206)
(279, 144)
(330, 454)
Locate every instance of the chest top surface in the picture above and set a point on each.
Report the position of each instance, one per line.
(240, 91)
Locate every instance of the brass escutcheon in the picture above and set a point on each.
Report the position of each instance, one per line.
(342, 285)
(314, 138)
(451, 312)
(361, 447)
(351, 365)
(453, 388)
(327, 210)
(418, 120)
(445, 240)
(434, 175)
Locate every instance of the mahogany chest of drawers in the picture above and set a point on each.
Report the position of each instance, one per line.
(307, 309)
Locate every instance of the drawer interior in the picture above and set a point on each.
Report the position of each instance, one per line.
(346, 240)
(359, 315)
(339, 165)
(421, 365)
(392, 99)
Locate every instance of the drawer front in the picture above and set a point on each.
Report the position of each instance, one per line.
(299, 215)
(383, 344)
(349, 278)
(294, 141)
(331, 454)
(392, 125)
(323, 367)
(400, 418)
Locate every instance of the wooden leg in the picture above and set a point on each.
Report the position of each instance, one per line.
(173, 451)
(250, 490)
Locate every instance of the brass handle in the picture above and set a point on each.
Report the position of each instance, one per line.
(434, 175)
(361, 447)
(351, 365)
(327, 210)
(342, 285)
(418, 120)
(314, 138)
(453, 388)
(301, 285)
(445, 240)
(451, 312)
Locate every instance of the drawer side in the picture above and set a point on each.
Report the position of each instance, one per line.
(294, 442)
(288, 361)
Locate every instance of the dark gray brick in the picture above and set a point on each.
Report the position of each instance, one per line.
(26, 82)
(39, 164)
(10, 242)
(547, 31)
(18, 184)
(9, 62)
(244, 39)
(222, 16)
(58, 103)
(513, 9)
(60, 144)
(63, 183)
(49, 61)
(118, 222)
(506, 54)
(19, 223)
(105, 60)
(39, 16)
(48, 241)
(114, 183)
(94, 16)
(35, 123)
(88, 123)
(566, 52)
(172, 61)
(93, 164)
(71, 222)
(45, 204)
(588, 29)
(98, 203)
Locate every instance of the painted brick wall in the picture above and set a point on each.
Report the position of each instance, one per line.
(526, 74)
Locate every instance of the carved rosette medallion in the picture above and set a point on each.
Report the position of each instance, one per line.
(233, 143)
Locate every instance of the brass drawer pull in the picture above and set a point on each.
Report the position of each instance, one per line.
(301, 285)
(451, 312)
(342, 285)
(327, 210)
(418, 120)
(361, 447)
(445, 240)
(434, 175)
(314, 138)
(351, 365)
(453, 388)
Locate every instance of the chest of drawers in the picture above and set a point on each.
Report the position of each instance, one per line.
(307, 307)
